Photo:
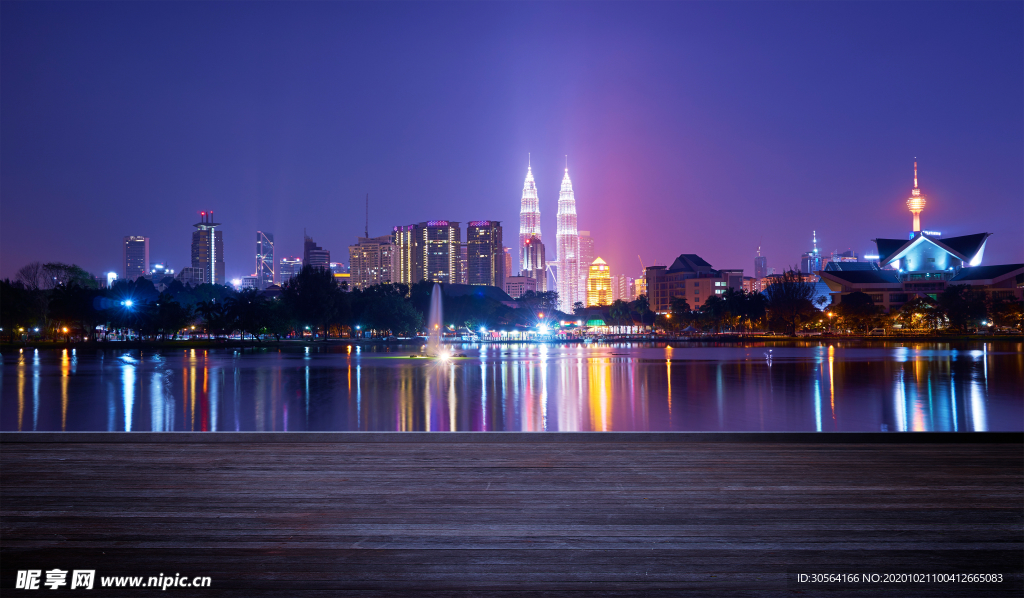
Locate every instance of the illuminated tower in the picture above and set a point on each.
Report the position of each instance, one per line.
(568, 240)
(529, 215)
(599, 284)
(916, 202)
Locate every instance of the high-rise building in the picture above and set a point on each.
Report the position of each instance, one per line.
(599, 283)
(622, 288)
(485, 254)
(314, 255)
(529, 216)
(760, 265)
(508, 262)
(568, 239)
(136, 257)
(810, 262)
(288, 268)
(534, 262)
(264, 259)
(208, 249)
(587, 256)
(427, 251)
(463, 263)
(370, 261)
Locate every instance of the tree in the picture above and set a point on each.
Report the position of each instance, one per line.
(858, 310)
(963, 306)
(788, 301)
(577, 308)
(1007, 312)
(619, 312)
(248, 312)
(312, 297)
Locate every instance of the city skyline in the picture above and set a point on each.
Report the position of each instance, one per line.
(726, 115)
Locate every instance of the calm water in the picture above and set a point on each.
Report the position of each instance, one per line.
(854, 387)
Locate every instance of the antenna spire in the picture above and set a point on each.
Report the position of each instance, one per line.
(915, 173)
(567, 162)
(529, 164)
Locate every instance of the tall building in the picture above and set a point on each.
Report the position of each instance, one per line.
(534, 265)
(599, 283)
(485, 255)
(264, 260)
(427, 251)
(587, 256)
(916, 203)
(369, 261)
(760, 265)
(136, 257)
(810, 262)
(288, 268)
(508, 262)
(463, 263)
(529, 216)
(314, 255)
(208, 249)
(568, 240)
(622, 288)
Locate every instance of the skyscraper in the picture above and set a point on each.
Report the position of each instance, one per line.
(314, 255)
(586, 258)
(136, 257)
(264, 260)
(599, 283)
(288, 268)
(426, 251)
(485, 255)
(534, 265)
(208, 249)
(810, 262)
(568, 240)
(529, 215)
(760, 265)
(370, 261)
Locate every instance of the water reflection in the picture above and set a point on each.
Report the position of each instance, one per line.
(937, 386)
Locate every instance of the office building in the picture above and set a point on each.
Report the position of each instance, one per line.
(485, 254)
(599, 284)
(136, 257)
(529, 216)
(691, 277)
(622, 288)
(314, 255)
(517, 286)
(288, 268)
(370, 261)
(208, 249)
(192, 276)
(264, 260)
(427, 251)
(811, 261)
(586, 259)
(508, 262)
(568, 240)
(463, 263)
(760, 265)
(534, 264)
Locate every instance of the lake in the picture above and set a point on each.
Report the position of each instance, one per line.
(853, 386)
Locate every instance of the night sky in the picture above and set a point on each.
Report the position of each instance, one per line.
(689, 128)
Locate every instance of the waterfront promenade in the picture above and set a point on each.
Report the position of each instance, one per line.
(517, 514)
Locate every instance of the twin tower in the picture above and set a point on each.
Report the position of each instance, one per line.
(570, 278)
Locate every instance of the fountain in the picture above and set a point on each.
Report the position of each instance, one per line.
(434, 322)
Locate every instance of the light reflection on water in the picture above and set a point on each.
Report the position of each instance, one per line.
(865, 387)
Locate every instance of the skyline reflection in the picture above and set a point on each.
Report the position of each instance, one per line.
(537, 388)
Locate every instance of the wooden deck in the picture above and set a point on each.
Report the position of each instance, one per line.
(516, 514)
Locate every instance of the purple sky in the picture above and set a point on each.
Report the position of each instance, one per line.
(690, 128)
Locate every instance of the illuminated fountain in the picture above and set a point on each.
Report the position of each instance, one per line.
(434, 322)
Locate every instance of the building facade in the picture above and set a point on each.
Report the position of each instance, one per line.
(192, 276)
(599, 284)
(529, 216)
(587, 255)
(314, 255)
(288, 268)
(517, 286)
(485, 254)
(534, 262)
(136, 257)
(760, 265)
(369, 261)
(689, 277)
(427, 251)
(568, 239)
(208, 249)
(264, 260)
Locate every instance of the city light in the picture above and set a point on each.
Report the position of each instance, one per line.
(128, 303)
